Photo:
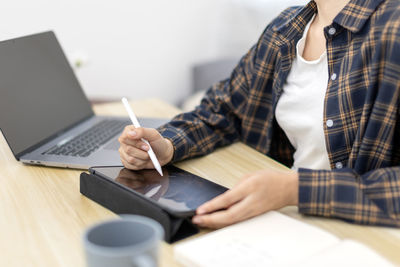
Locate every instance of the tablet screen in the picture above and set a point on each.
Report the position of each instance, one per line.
(177, 190)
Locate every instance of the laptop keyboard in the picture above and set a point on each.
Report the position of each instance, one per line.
(89, 141)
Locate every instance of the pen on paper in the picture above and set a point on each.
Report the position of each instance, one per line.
(135, 122)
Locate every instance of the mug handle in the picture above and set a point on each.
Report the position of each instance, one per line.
(144, 261)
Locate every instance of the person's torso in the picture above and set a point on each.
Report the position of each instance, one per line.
(299, 111)
(361, 102)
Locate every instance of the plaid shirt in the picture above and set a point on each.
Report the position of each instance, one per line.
(362, 101)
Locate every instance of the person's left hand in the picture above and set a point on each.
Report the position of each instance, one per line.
(257, 193)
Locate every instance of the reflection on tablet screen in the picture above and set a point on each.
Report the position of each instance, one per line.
(177, 189)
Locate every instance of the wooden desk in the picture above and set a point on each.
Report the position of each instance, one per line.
(43, 215)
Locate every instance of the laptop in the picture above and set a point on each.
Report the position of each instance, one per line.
(45, 116)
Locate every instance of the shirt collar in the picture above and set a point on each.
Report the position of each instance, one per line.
(356, 13)
(296, 19)
(352, 17)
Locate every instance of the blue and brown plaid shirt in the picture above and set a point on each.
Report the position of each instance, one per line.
(362, 101)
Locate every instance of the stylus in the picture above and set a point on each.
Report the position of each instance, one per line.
(137, 125)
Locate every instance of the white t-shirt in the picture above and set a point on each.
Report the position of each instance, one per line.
(299, 111)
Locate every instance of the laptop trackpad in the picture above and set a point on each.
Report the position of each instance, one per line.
(145, 122)
(113, 145)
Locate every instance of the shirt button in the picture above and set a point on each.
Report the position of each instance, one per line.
(332, 31)
(329, 123)
(333, 76)
(338, 165)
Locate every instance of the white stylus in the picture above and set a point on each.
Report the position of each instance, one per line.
(137, 125)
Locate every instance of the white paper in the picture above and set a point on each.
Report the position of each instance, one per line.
(271, 239)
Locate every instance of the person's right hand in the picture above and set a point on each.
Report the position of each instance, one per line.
(133, 151)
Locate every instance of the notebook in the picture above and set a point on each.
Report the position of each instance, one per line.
(274, 239)
(45, 116)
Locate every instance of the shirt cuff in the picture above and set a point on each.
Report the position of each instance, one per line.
(177, 139)
(315, 192)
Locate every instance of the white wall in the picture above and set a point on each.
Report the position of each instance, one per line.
(140, 48)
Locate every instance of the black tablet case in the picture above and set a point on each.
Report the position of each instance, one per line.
(121, 201)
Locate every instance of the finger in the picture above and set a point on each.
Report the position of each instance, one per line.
(134, 152)
(133, 163)
(137, 164)
(129, 132)
(129, 142)
(128, 128)
(150, 134)
(223, 201)
(126, 139)
(238, 212)
(128, 165)
(129, 135)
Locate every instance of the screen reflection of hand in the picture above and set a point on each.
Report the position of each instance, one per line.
(145, 180)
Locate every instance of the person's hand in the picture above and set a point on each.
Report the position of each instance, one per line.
(257, 193)
(133, 151)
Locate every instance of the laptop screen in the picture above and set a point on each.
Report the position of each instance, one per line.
(39, 93)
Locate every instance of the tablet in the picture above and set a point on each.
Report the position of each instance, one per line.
(178, 191)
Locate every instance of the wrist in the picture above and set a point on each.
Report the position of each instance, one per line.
(170, 151)
(293, 188)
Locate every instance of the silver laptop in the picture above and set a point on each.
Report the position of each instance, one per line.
(44, 114)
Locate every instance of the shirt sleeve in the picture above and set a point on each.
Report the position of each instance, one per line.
(371, 198)
(217, 120)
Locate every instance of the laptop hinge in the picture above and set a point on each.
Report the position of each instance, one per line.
(32, 148)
